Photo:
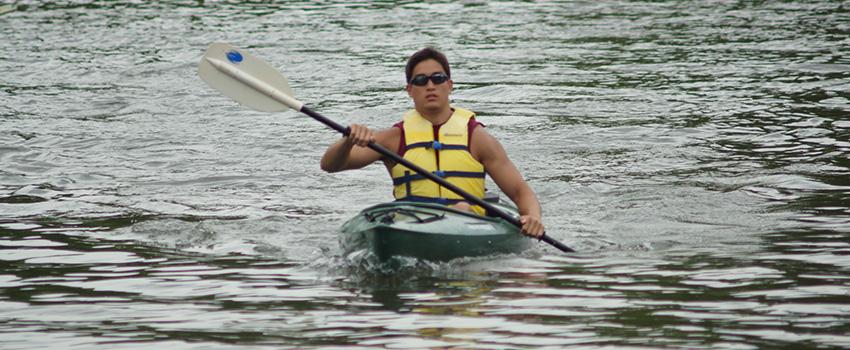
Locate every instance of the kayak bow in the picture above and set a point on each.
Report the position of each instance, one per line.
(431, 232)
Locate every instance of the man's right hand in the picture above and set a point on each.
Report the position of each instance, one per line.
(359, 135)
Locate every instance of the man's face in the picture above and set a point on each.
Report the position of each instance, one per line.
(429, 97)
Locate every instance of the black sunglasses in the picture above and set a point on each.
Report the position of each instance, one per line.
(436, 78)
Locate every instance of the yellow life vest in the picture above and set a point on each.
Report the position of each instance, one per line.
(447, 157)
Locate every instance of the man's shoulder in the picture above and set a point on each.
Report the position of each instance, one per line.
(474, 122)
(393, 130)
(388, 135)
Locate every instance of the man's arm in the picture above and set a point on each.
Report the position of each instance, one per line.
(351, 152)
(492, 155)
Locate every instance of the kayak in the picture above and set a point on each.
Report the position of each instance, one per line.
(430, 231)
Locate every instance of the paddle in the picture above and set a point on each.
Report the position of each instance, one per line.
(254, 83)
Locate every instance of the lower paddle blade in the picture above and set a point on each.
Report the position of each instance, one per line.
(221, 54)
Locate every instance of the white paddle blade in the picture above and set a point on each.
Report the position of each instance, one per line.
(246, 79)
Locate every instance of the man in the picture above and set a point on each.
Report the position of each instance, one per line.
(438, 137)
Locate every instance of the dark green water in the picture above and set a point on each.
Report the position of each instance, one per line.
(696, 154)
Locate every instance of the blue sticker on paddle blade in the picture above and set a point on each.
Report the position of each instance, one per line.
(234, 56)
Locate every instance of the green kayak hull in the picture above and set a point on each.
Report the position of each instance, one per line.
(430, 232)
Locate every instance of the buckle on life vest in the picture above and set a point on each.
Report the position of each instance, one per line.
(436, 145)
(440, 173)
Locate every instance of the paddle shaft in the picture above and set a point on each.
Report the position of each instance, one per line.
(442, 182)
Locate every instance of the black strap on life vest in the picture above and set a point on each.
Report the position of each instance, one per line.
(407, 178)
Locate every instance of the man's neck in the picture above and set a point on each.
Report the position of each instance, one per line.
(438, 117)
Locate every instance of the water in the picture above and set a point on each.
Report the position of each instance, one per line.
(695, 154)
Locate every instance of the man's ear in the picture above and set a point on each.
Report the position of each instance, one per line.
(407, 88)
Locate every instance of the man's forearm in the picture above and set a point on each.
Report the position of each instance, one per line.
(336, 156)
(528, 204)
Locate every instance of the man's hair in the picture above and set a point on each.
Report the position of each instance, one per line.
(424, 54)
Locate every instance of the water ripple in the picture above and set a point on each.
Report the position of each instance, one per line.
(696, 154)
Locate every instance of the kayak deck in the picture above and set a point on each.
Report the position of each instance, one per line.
(431, 232)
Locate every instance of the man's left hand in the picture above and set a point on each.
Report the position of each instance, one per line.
(532, 226)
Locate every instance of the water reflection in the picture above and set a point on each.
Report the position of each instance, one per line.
(131, 292)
